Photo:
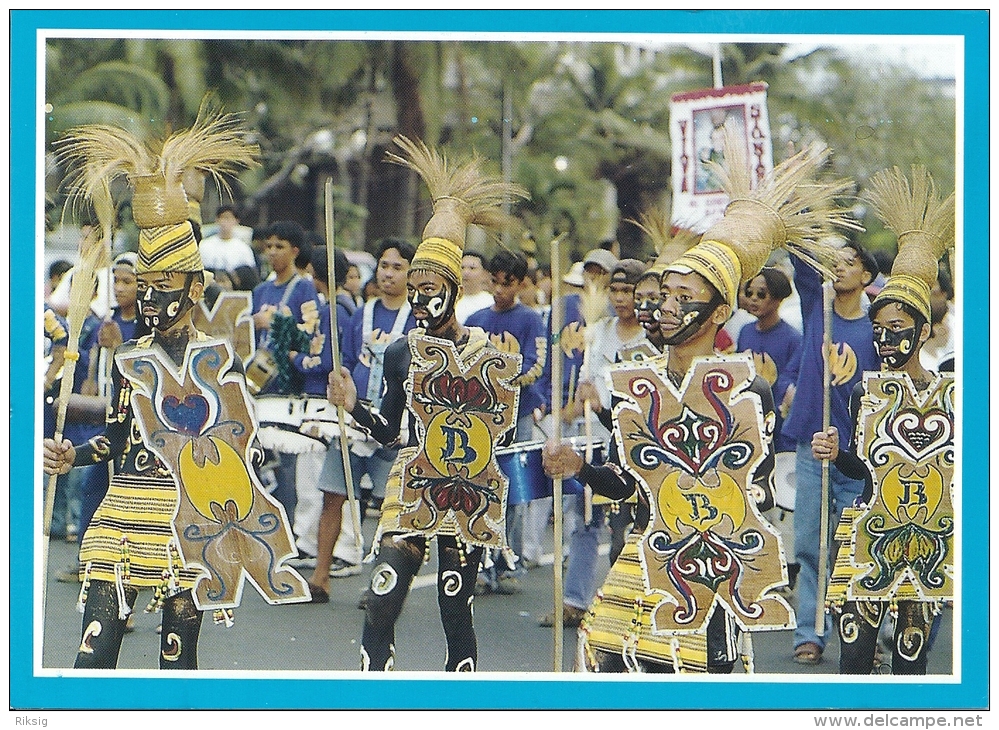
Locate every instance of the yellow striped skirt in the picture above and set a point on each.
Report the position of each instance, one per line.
(131, 535)
(620, 620)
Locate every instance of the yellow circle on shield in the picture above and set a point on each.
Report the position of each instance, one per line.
(463, 443)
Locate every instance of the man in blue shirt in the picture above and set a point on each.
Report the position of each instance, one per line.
(366, 337)
(851, 352)
(514, 327)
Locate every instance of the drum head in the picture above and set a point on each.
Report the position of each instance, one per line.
(785, 481)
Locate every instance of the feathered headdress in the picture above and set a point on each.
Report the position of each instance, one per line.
(461, 195)
(669, 241)
(788, 208)
(924, 225)
(214, 145)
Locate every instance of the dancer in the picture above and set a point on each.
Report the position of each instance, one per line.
(896, 551)
(462, 399)
(183, 501)
(692, 430)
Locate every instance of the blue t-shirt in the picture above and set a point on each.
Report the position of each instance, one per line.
(55, 333)
(777, 352)
(303, 302)
(126, 326)
(572, 344)
(77, 431)
(356, 356)
(853, 345)
(518, 330)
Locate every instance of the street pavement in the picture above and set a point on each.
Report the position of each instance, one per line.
(326, 637)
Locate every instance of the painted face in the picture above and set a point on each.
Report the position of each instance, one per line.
(687, 304)
(391, 273)
(163, 298)
(505, 290)
(647, 304)
(758, 301)
(432, 298)
(895, 336)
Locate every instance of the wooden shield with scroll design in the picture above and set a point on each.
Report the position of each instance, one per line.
(695, 450)
(198, 421)
(230, 319)
(903, 543)
(463, 404)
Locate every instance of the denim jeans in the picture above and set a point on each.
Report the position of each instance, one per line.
(580, 572)
(808, 499)
(66, 507)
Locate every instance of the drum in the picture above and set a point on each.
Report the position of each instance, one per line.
(293, 425)
(260, 371)
(521, 463)
(785, 481)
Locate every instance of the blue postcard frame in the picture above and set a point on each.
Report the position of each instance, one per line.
(28, 691)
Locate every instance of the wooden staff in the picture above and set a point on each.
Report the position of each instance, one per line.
(594, 306)
(557, 318)
(820, 600)
(81, 293)
(355, 514)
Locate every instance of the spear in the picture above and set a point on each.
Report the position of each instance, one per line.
(557, 317)
(92, 251)
(355, 514)
(820, 610)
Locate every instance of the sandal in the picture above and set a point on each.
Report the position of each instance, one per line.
(808, 653)
(318, 595)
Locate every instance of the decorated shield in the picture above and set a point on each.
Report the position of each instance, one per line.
(695, 450)
(903, 543)
(463, 404)
(639, 352)
(199, 422)
(230, 319)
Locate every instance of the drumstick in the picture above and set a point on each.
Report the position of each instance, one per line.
(820, 611)
(556, 319)
(355, 514)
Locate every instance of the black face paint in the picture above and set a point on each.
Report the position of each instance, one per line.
(439, 305)
(647, 311)
(903, 343)
(169, 305)
(692, 316)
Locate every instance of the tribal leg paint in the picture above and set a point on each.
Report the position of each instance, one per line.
(858, 625)
(456, 573)
(911, 640)
(179, 636)
(102, 628)
(398, 563)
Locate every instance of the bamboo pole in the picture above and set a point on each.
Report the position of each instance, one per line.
(80, 295)
(557, 318)
(820, 599)
(355, 514)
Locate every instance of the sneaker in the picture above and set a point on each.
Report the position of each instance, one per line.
(528, 564)
(302, 560)
(342, 569)
(318, 595)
